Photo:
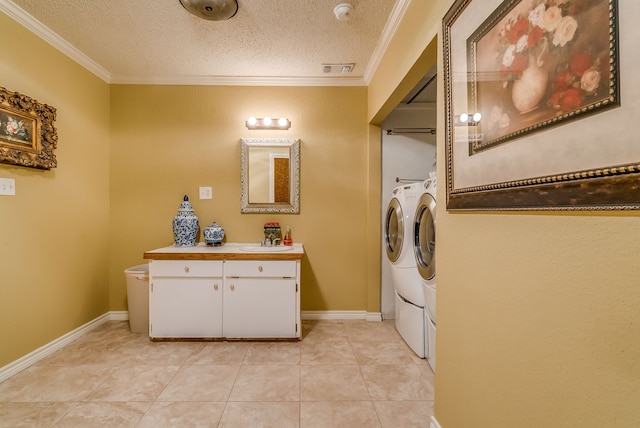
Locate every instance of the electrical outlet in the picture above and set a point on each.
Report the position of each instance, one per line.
(7, 186)
(206, 193)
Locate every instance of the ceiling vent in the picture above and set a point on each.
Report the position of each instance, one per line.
(345, 68)
(212, 10)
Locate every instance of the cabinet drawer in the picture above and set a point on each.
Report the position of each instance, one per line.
(185, 268)
(260, 268)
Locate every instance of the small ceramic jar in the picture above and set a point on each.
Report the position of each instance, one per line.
(213, 234)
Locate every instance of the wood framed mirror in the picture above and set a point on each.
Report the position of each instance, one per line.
(270, 175)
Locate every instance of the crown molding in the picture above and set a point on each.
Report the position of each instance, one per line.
(237, 81)
(399, 9)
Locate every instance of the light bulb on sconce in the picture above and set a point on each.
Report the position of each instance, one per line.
(466, 119)
(267, 123)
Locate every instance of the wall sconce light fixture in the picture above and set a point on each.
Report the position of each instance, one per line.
(267, 123)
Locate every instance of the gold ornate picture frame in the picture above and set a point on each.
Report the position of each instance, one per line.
(568, 150)
(28, 136)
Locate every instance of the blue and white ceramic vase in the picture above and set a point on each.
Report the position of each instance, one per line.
(213, 234)
(185, 225)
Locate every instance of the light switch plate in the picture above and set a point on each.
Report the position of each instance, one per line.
(7, 186)
(206, 193)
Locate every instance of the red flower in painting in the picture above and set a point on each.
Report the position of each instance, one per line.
(562, 81)
(581, 63)
(519, 29)
(535, 35)
(570, 99)
(554, 99)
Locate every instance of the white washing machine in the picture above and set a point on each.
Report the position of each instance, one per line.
(409, 296)
(424, 240)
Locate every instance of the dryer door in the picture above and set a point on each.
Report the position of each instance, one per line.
(424, 236)
(393, 230)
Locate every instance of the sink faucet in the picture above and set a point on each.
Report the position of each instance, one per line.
(268, 242)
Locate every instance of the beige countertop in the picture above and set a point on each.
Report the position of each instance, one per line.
(227, 251)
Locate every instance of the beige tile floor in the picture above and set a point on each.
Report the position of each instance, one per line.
(342, 374)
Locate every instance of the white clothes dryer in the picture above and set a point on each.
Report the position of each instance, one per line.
(409, 296)
(424, 241)
(399, 241)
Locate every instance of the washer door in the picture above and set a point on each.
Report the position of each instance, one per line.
(424, 236)
(393, 230)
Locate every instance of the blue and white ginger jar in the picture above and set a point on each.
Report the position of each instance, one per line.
(213, 234)
(185, 225)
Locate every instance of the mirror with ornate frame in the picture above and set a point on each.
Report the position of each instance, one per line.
(270, 175)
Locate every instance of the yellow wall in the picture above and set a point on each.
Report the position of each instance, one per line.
(538, 320)
(169, 140)
(410, 54)
(538, 314)
(54, 232)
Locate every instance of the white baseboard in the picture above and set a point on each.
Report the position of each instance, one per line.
(434, 423)
(119, 316)
(341, 315)
(305, 315)
(373, 316)
(44, 351)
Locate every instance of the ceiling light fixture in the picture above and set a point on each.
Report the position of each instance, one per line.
(212, 10)
(267, 123)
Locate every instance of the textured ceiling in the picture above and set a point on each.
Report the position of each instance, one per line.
(267, 42)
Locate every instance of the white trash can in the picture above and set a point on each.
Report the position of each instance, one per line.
(138, 298)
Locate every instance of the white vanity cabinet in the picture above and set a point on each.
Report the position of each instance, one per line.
(224, 292)
(260, 299)
(185, 298)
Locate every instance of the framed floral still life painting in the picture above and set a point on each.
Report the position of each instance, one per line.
(515, 70)
(547, 70)
(28, 136)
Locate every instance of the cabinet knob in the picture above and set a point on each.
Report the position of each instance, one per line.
(232, 287)
(186, 269)
(259, 268)
(215, 287)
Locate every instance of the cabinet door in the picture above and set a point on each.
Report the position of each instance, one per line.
(259, 308)
(185, 307)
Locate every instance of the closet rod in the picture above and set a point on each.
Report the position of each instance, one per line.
(408, 180)
(396, 131)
